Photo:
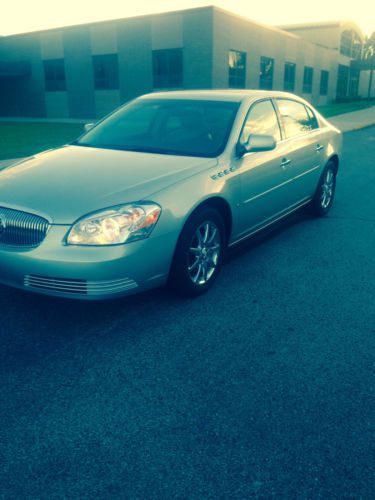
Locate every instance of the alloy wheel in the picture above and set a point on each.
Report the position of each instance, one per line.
(204, 253)
(327, 188)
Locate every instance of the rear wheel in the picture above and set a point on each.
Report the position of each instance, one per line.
(325, 191)
(199, 253)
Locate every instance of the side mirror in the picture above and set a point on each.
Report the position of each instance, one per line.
(88, 126)
(256, 143)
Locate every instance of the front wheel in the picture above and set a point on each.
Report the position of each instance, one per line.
(199, 253)
(325, 191)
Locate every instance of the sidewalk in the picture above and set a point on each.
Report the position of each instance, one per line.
(346, 122)
(354, 120)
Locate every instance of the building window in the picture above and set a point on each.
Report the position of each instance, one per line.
(266, 73)
(289, 76)
(237, 69)
(308, 75)
(353, 82)
(54, 75)
(346, 43)
(342, 81)
(357, 46)
(105, 72)
(350, 44)
(324, 76)
(167, 68)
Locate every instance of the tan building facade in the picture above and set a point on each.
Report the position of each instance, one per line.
(86, 71)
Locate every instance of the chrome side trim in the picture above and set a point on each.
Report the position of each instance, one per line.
(307, 172)
(268, 191)
(270, 222)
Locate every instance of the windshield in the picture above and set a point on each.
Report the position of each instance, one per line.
(166, 126)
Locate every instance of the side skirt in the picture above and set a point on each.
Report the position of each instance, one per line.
(270, 222)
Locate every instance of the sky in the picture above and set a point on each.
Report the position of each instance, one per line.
(21, 16)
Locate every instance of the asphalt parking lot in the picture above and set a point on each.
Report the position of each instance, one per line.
(263, 388)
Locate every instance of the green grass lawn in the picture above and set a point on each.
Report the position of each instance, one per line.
(343, 107)
(18, 139)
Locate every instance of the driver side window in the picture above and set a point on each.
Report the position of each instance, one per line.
(261, 119)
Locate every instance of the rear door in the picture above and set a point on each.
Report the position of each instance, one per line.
(304, 146)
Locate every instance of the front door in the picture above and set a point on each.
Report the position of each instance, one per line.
(265, 176)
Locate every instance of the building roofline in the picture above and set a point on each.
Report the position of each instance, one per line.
(285, 30)
(316, 25)
(269, 27)
(276, 29)
(110, 21)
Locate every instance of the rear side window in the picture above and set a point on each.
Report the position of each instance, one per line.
(295, 118)
(261, 119)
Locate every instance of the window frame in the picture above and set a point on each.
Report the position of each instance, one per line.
(314, 117)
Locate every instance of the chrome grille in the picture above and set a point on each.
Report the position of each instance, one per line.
(78, 286)
(21, 229)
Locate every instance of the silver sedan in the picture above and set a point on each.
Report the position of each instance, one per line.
(157, 191)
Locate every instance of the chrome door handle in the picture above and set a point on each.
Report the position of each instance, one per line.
(284, 163)
(319, 147)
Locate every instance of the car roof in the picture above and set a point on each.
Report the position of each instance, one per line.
(235, 95)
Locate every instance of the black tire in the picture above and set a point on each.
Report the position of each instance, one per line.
(324, 195)
(182, 270)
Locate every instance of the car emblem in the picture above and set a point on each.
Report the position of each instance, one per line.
(2, 223)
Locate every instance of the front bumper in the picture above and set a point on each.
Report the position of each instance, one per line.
(89, 273)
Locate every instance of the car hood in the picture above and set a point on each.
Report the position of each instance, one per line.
(67, 183)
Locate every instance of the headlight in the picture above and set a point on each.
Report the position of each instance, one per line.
(116, 225)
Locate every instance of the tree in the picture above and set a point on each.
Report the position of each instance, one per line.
(369, 57)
